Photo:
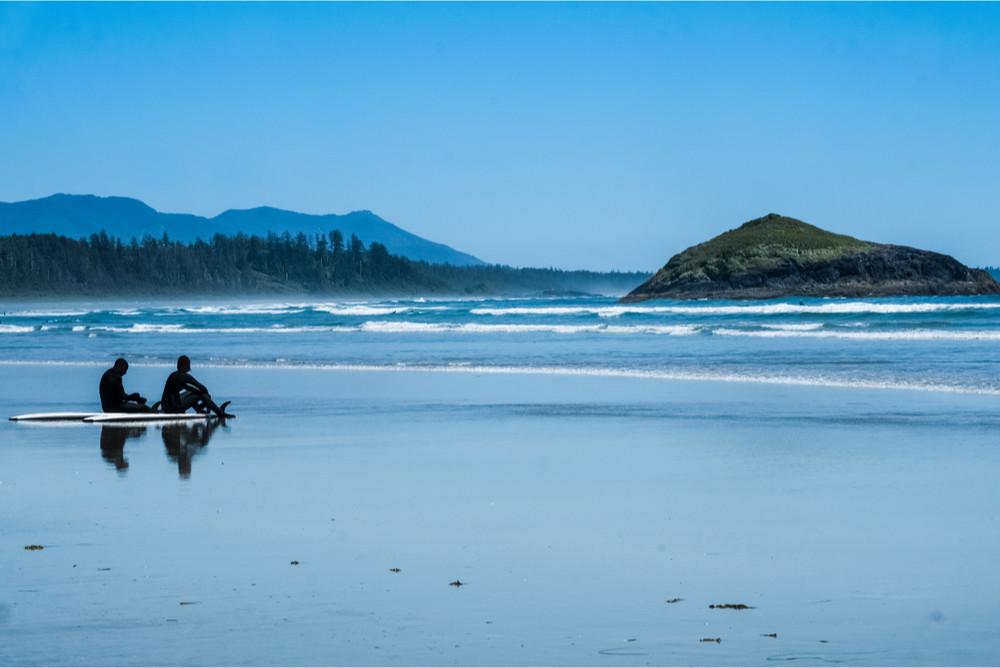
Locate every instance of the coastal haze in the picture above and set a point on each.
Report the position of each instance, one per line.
(497, 460)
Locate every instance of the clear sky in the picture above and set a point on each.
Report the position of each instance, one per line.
(593, 135)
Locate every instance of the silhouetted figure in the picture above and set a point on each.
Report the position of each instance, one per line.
(113, 439)
(182, 392)
(184, 441)
(113, 396)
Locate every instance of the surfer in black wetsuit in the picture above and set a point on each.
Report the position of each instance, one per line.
(113, 396)
(182, 392)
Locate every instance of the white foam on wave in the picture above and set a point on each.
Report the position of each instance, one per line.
(867, 335)
(407, 327)
(706, 309)
(46, 314)
(363, 310)
(144, 328)
(348, 309)
(369, 311)
(15, 329)
(246, 309)
(404, 327)
(602, 311)
(794, 328)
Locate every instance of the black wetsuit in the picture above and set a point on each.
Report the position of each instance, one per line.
(177, 382)
(113, 392)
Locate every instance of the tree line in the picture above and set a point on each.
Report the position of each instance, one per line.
(40, 265)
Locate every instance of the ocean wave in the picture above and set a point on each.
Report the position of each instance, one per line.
(707, 309)
(245, 309)
(145, 328)
(350, 309)
(867, 335)
(848, 332)
(405, 327)
(794, 328)
(368, 311)
(46, 314)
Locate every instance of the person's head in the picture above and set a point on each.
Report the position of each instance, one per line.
(183, 363)
(121, 366)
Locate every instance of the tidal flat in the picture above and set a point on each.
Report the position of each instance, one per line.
(591, 521)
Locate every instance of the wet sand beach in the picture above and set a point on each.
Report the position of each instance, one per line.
(432, 518)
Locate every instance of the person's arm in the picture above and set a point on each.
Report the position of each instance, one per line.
(192, 384)
(118, 396)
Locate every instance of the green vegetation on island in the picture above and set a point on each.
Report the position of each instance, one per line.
(776, 256)
(50, 266)
(762, 245)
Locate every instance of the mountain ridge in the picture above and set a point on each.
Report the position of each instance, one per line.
(79, 216)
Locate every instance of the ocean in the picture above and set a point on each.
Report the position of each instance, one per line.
(548, 481)
(945, 344)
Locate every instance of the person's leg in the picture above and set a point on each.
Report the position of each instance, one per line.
(207, 402)
(189, 399)
(202, 403)
(134, 407)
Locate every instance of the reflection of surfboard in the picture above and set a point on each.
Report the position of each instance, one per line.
(52, 417)
(147, 417)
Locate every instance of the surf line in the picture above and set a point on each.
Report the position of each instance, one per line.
(595, 372)
(598, 372)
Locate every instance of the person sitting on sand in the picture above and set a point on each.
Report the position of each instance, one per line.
(182, 391)
(113, 396)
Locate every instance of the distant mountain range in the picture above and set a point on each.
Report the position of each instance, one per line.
(80, 216)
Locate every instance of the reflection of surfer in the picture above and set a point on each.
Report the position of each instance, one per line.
(182, 392)
(113, 439)
(113, 396)
(184, 441)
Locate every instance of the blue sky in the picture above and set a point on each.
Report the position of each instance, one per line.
(593, 135)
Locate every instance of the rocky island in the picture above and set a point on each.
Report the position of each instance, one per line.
(776, 256)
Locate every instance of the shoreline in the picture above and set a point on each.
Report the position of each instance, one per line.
(554, 371)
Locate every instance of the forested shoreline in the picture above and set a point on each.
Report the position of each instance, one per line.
(50, 265)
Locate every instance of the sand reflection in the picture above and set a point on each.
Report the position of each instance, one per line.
(185, 441)
(113, 439)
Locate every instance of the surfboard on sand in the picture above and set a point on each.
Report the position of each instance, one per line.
(110, 417)
(53, 417)
(148, 417)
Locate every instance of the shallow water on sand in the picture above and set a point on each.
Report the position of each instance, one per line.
(590, 520)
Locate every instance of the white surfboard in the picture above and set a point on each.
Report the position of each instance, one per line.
(53, 417)
(147, 417)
